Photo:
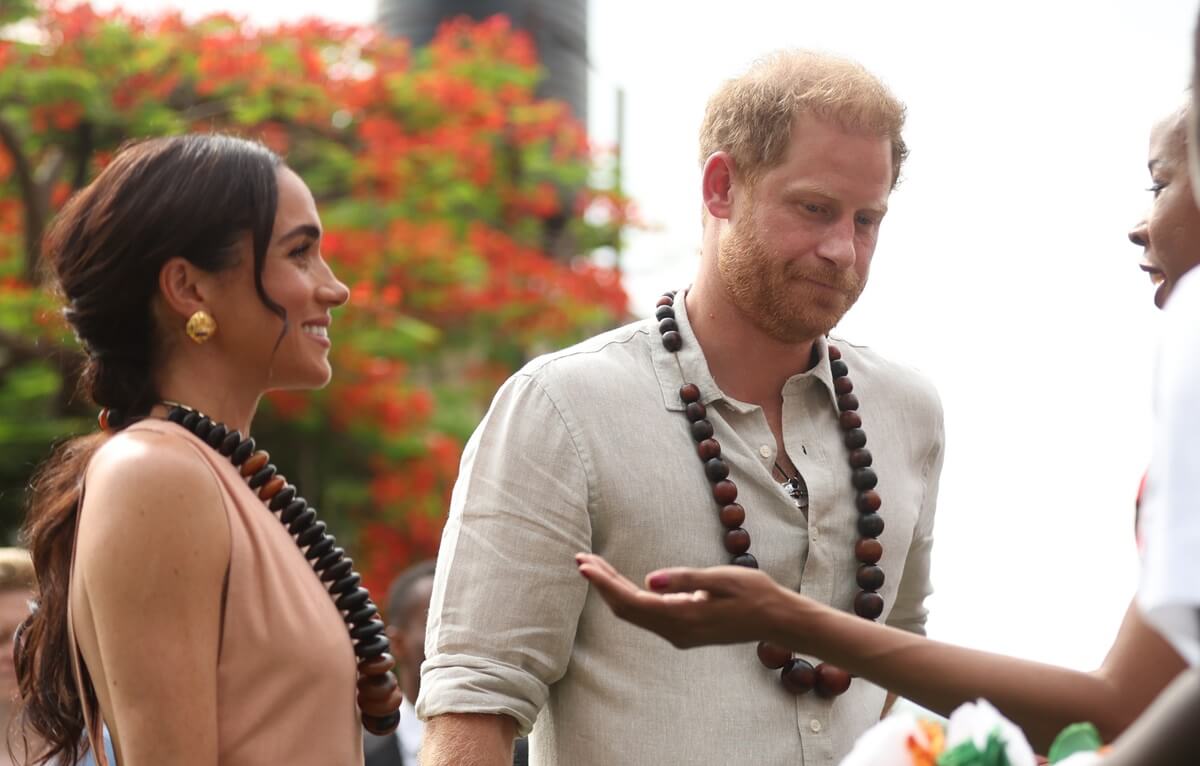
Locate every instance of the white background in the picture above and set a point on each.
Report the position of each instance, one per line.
(1003, 271)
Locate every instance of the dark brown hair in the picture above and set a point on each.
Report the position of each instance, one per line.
(192, 196)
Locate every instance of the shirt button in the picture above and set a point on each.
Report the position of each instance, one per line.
(815, 725)
(765, 451)
(812, 535)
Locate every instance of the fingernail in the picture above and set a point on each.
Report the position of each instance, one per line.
(660, 581)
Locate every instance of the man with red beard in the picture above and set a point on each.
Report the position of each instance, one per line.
(728, 429)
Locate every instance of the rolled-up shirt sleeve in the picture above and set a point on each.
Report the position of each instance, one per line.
(910, 612)
(507, 596)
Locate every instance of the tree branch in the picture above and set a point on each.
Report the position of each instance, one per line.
(84, 146)
(35, 216)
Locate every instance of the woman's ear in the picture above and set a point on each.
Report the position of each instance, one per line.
(183, 287)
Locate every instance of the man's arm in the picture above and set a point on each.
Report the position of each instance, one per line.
(468, 739)
(504, 609)
(909, 612)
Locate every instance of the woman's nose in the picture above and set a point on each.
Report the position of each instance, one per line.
(1140, 235)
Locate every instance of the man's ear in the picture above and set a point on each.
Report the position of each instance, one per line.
(717, 185)
(183, 287)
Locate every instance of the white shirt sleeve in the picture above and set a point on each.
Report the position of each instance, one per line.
(506, 596)
(1169, 593)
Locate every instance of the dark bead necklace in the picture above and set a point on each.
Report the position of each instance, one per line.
(379, 693)
(797, 675)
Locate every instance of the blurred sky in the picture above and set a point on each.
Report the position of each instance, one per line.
(1003, 271)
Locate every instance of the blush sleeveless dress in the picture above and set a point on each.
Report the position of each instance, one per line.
(286, 671)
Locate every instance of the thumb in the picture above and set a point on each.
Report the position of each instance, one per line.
(682, 579)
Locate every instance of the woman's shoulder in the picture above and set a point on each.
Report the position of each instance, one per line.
(151, 486)
(149, 459)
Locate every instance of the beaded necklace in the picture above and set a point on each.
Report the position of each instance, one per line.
(797, 675)
(379, 693)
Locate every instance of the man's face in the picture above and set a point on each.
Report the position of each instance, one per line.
(1170, 233)
(408, 638)
(798, 249)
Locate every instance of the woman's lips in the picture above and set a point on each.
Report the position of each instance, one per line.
(1158, 279)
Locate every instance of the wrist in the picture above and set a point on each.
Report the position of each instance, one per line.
(807, 626)
(787, 619)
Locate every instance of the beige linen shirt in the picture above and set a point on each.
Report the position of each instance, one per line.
(588, 449)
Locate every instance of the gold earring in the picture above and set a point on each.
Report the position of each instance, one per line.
(201, 326)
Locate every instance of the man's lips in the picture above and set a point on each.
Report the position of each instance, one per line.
(824, 285)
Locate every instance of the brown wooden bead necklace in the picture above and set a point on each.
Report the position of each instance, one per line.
(379, 694)
(797, 675)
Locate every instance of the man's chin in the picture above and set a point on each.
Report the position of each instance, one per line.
(800, 331)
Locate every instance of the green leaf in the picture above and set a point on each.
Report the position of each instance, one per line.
(15, 10)
(1076, 738)
(968, 754)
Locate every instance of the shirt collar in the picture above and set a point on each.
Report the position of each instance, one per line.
(688, 365)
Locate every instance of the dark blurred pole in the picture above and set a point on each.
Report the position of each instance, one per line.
(560, 31)
(618, 162)
(558, 27)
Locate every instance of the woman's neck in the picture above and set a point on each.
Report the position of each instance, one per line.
(218, 393)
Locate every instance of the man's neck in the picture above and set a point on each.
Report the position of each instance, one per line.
(745, 362)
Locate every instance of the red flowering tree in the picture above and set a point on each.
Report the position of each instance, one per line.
(457, 205)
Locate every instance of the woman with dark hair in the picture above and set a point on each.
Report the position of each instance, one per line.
(173, 604)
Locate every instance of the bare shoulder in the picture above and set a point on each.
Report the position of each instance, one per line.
(151, 496)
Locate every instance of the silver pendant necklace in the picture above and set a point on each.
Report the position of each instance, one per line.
(795, 487)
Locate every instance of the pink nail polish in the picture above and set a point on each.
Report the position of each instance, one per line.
(660, 581)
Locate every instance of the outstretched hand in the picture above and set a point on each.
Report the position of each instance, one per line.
(693, 607)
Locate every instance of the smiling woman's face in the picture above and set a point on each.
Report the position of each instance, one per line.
(1170, 233)
(296, 277)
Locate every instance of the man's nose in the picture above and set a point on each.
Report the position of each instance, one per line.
(837, 246)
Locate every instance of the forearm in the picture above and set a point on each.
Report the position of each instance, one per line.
(460, 739)
(1166, 732)
(1039, 698)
